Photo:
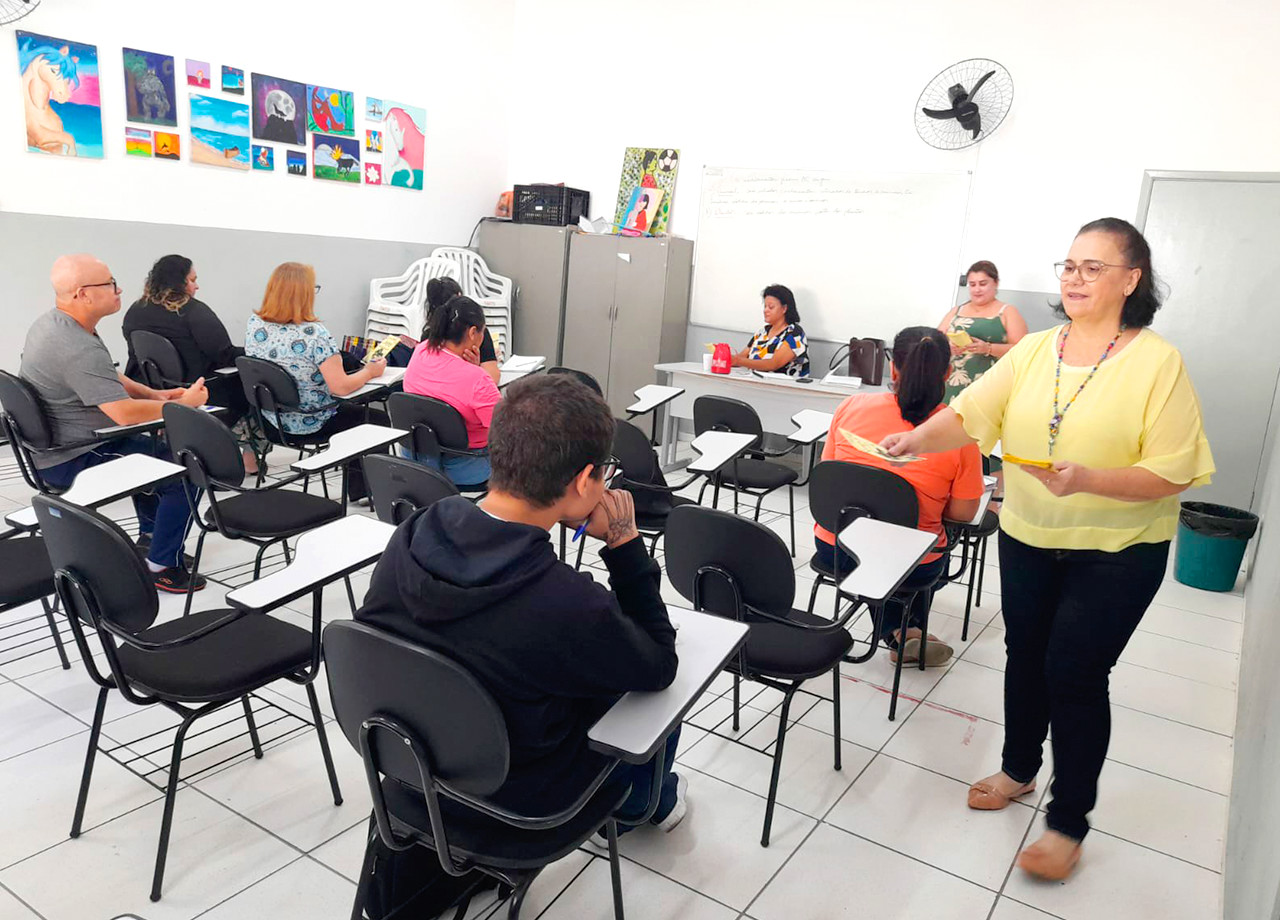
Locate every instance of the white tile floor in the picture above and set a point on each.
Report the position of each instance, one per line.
(888, 836)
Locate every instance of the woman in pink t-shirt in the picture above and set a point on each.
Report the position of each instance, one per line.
(446, 366)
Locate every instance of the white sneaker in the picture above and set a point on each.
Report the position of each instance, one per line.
(679, 810)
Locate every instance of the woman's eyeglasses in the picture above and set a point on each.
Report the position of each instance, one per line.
(1089, 269)
(317, 289)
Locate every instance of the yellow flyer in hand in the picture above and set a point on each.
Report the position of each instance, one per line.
(960, 338)
(857, 442)
(1019, 461)
(383, 348)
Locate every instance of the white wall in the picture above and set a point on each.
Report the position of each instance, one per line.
(434, 54)
(1103, 90)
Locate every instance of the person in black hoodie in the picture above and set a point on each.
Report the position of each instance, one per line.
(483, 585)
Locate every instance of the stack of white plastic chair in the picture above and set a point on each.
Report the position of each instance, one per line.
(398, 306)
(492, 292)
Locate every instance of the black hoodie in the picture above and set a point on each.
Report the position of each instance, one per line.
(554, 647)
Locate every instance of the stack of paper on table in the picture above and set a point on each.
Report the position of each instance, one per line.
(523, 363)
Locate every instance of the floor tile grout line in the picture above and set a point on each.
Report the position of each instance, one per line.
(577, 875)
(1013, 863)
(1174, 779)
(124, 814)
(236, 894)
(15, 896)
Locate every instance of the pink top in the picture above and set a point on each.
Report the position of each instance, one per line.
(448, 377)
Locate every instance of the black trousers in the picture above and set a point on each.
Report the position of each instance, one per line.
(1068, 615)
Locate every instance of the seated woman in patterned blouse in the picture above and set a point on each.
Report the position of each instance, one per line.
(780, 346)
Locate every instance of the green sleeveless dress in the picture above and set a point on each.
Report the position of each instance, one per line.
(965, 369)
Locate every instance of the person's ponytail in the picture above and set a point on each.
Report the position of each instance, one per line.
(922, 357)
(450, 322)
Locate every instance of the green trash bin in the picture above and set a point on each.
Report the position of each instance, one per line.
(1211, 545)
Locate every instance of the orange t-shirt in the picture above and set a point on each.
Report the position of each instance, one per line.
(936, 478)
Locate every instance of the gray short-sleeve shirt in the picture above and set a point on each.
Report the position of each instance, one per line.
(71, 370)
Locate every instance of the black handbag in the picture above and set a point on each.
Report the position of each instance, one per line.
(867, 360)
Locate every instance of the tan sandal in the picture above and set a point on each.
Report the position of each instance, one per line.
(1049, 861)
(936, 654)
(985, 797)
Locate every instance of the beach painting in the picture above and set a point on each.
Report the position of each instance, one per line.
(60, 97)
(137, 142)
(232, 80)
(296, 162)
(403, 129)
(198, 73)
(264, 157)
(332, 111)
(219, 132)
(279, 110)
(335, 158)
(167, 146)
(149, 93)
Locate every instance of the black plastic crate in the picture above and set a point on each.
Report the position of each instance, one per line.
(552, 205)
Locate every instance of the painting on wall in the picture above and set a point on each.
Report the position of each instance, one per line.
(403, 128)
(149, 93)
(167, 146)
(372, 172)
(198, 73)
(296, 162)
(60, 95)
(648, 167)
(332, 111)
(232, 80)
(219, 132)
(264, 157)
(279, 110)
(372, 141)
(137, 142)
(335, 158)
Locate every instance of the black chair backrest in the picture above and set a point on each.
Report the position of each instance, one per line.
(196, 435)
(753, 555)
(423, 415)
(158, 360)
(23, 412)
(437, 701)
(840, 492)
(719, 413)
(267, 386)
(580, 376)
(96, 552)
(399, 487)
(638, 461)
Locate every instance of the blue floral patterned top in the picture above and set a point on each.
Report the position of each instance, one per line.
(300, 349)
(762, 346)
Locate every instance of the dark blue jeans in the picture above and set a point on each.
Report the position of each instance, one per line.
(640, 775)
(163, 513)
(921, 581)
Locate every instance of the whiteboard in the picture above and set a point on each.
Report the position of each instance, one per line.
(865, 253)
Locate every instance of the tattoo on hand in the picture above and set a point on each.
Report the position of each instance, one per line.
(618, 528)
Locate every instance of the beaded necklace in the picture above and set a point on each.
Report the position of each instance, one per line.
(1055, 423)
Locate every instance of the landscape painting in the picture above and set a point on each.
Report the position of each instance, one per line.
(232, 80)
(332, 111)
(219, 132)
(60, 97)
(149, 93)
(167, 146)
(137, 142)
(335, 158)
(296, 161)
(279, 110)
(403, 128)
(198, 73)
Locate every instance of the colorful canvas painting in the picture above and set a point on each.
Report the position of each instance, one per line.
(137, 142)
(264, 157)
(219, 132)
(232, 80)
(372, 141)
(335, 158)
(332, 111)
(199, 73)
(149, 93)
(279, 110)
(404, 141)
(60, 95)
(648, 167)
(296, 162)
(642, 209)
(372, 172)
(168, 147)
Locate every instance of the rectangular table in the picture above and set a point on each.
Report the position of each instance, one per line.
(348, 444)
(886, 554)
(106, 482)
(119, 431)
(716, 448)
(384, 381)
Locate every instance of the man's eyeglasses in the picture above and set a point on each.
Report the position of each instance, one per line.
(1089, 269)
(109, 283)
(609, 469)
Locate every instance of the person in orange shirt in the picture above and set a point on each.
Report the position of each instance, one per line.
(948, 484)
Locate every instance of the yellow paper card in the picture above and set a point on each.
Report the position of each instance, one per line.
(1019, 461)
(858, 442)
(960, 338)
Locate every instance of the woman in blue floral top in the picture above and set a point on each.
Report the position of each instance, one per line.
(781, 345)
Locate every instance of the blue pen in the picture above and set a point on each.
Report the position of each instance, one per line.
(582, 528)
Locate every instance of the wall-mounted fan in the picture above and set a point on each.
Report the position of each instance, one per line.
(964, 104)
(13, 10)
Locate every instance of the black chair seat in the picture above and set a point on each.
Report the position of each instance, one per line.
(817, 563)
(757, 474)
(777, 650)
(491, 842)
(989, 524)
(25, 573)
(227, 663)
(279, 511)
(652, 519)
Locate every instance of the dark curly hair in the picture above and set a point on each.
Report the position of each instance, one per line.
(1139, 307)
(166, 283)
(784, 297)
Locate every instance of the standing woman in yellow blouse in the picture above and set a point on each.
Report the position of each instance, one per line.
(1108, 406)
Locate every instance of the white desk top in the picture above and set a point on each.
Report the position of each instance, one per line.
(886, 555)
(226, 371)
(814, 425)
(717, 448)
(115, 431)
(651, 396)
(389, 377)
(106, 482)
(523, 364)
(639, 722)
(347, 444)
(744, 376)
(506, 378)
(322, 555)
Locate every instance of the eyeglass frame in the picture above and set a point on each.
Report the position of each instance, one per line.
(111, 281)
(612, 466)
(317, 289)
(1062, 273)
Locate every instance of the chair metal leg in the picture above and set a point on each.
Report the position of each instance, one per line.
(171, 793)
(777, 765)
(366, 871)
(83, 798)
(324, 743)
(577, 563)
(57, 636)
(615, 868)
(253, 727)
(968, 601)
(835, 707)
(653, 545)
(288, 556)
(257, 561)
(759, 506)
(517, 896)
(791, 502)
(982, 570)
(736, 682)
(195, 567)
(564, 543)
(897, 668)
(351, 594)
(813, 595)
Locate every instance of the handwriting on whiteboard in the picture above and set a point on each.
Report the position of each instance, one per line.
(772, 194)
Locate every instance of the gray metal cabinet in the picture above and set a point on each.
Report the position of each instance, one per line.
(626, 309)
(535, 258)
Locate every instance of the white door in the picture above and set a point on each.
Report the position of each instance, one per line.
(1214, 240)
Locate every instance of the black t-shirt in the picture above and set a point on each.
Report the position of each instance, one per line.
(195, 331)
